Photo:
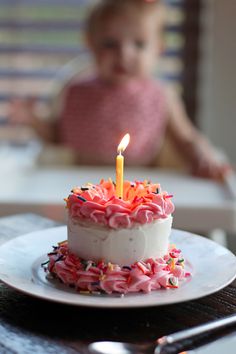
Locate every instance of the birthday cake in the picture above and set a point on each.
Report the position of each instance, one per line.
(118, 244)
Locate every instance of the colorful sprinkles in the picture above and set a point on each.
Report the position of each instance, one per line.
(143, 202)
(89, 277)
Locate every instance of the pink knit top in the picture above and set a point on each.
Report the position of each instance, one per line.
(96, 115)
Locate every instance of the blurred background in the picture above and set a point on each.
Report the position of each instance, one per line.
(38, 38)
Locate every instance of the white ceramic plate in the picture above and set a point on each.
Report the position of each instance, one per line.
(212, 266)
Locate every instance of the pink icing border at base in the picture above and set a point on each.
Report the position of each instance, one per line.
(89, 277)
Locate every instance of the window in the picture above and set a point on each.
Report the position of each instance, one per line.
(38, 37)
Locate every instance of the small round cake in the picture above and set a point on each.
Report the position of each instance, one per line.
(118, 245)
(122, 231)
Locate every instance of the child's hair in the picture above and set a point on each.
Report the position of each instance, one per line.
(109, 8)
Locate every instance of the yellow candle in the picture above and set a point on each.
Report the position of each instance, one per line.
(120, 165)
(119, 175)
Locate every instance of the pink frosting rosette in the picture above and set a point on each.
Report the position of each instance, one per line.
(143, 203)
(145, 276)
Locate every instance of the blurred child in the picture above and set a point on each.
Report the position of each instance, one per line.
(126, 40)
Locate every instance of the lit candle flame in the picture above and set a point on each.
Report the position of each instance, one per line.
(123, 144)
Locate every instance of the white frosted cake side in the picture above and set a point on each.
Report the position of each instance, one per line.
(122, 246)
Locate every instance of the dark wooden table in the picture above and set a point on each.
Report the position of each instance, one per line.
(30, 325)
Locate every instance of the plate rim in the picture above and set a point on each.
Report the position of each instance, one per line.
(103, 303)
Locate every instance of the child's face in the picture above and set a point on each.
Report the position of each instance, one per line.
(127, 47)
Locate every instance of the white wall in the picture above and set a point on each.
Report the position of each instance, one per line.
(217, 115)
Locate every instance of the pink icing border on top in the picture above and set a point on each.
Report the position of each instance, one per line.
(153, 274)
(143, 203)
